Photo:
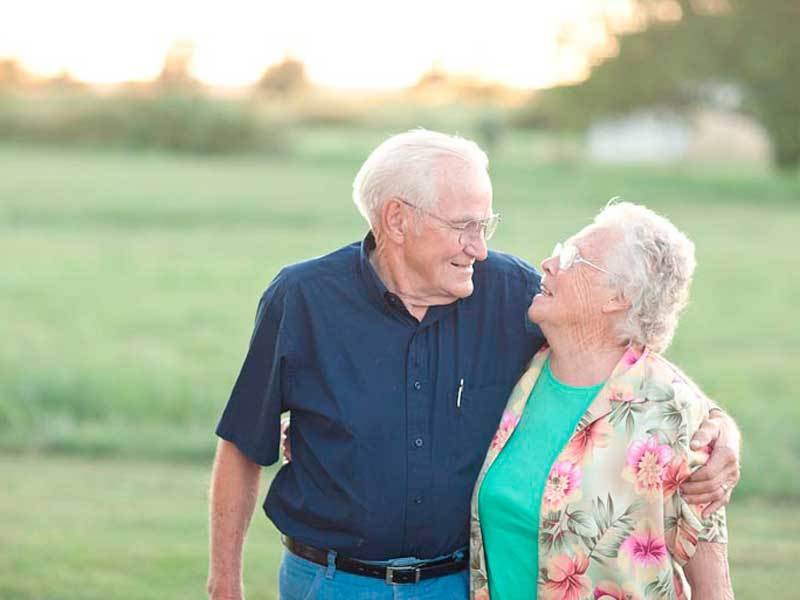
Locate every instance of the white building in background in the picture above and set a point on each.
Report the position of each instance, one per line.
(661, 137)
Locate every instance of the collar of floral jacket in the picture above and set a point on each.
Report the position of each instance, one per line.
(628, 383)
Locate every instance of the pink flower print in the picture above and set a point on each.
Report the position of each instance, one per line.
(608, 590)
(566, 579)
(631, 357)
(645, 465)
(674, 475)
(623, 393)
(507, 425)
(563, 485)
(580, 447)
(645, 550)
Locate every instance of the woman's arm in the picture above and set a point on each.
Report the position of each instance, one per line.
(708, 574)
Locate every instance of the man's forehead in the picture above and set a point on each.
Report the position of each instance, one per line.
(466, 199)
(470, 207)
(456, 175)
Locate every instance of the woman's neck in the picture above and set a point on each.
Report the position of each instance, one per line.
(583, 362)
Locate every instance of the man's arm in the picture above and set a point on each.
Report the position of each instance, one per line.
(233, 495)
(714, 482)
(707, 572)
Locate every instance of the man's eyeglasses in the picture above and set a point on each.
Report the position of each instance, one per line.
(469, 232)
(568, 255)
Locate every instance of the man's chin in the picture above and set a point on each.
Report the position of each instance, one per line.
(464, 290)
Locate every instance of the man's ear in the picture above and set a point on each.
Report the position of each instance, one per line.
(618, 303)
(394, 220)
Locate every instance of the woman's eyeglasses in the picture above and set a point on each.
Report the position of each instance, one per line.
(568, 254)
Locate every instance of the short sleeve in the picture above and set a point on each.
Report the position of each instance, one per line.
(683, 523)
(251, 419)
(689, 383)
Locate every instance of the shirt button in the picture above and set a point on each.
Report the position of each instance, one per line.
(417, 385)
(418, 442)
(418, 500)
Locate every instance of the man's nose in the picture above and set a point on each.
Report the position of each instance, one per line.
(477, 247)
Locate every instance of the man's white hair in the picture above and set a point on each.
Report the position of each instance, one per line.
(409, 166)
(653, 266)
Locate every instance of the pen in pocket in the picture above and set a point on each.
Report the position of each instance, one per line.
(460, 389)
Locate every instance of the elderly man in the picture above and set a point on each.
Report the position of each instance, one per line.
(395, 357)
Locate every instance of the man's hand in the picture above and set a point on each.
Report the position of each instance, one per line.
(235, 593)
(714, 482)
(286, 448)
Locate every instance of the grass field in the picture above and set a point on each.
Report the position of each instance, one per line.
(130, 283)
(128, 287)
(96, 529)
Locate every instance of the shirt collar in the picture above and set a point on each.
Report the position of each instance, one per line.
(375, 287)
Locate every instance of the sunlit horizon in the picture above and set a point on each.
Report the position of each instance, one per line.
(347, 45)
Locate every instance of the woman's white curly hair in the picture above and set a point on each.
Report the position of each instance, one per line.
(653, 266)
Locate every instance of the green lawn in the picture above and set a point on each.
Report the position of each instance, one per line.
(96, 529)
(129, 283)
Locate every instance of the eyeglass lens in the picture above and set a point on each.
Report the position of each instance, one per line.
(475, 230)
(566, 255)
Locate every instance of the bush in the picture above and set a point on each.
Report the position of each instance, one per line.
(181, 123)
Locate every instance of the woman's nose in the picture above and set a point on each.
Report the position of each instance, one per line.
(550, 265)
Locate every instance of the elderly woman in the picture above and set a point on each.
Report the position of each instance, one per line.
(578, 496)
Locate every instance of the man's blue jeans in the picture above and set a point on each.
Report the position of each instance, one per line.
(300, 579)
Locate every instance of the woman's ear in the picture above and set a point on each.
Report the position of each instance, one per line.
(618, 303)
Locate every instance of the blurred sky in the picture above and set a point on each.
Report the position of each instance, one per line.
(352, 44)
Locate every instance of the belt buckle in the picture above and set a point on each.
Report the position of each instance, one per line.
(390, 571)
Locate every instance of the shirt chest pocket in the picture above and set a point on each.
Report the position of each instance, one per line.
(476, 415)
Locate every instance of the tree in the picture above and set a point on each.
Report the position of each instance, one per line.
(285, 78)
(688, 47)
(12, 75)
(176, 73)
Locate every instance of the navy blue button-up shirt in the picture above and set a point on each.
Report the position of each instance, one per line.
(391, 417)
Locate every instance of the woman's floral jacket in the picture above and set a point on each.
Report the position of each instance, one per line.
(613, 524)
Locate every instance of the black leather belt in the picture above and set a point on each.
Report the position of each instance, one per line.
(391, 575)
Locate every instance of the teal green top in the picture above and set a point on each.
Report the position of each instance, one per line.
(511, 493)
